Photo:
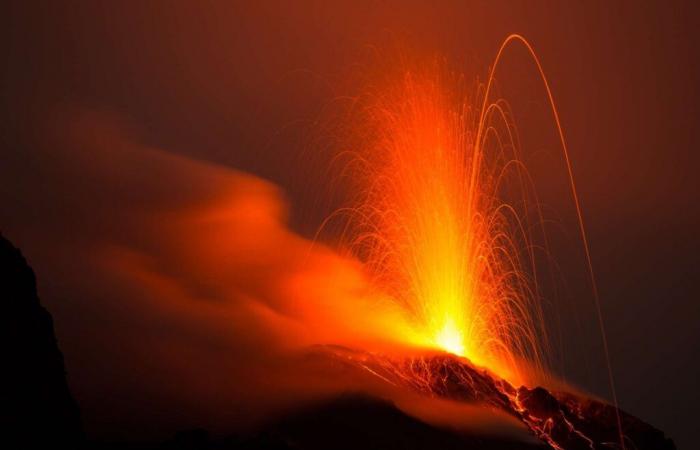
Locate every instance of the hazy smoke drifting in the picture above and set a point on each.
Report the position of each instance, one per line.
(180, 296)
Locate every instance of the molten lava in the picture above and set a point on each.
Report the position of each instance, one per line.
(448, 226)
(438, 237)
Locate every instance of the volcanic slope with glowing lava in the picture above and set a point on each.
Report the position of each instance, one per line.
(561, 420)
(449, 227)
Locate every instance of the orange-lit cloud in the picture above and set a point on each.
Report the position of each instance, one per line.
(182, 284)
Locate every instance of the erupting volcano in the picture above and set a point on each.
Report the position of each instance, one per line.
(437, 236)
(447, 224)
(447, 220)
(241, 228)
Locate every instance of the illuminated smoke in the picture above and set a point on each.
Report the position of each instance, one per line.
(210, 285)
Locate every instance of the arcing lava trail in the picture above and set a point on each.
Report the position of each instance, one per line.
(448, 224)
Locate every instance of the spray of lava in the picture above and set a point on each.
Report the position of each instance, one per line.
(432, 224)
(448, 222)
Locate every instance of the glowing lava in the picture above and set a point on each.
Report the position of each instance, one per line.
(434, 229)
(448, 222)
(451, 339)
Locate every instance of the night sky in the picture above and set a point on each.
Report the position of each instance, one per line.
(244, 86)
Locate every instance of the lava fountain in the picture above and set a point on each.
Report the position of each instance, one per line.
(435, 228)
(450, 230)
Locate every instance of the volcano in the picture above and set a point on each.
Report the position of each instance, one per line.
(555, 419)
(435, 277)
(561, 420)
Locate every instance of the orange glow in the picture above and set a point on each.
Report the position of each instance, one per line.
(434, 229)
(448, 220)
(451, 339)
(442, 237)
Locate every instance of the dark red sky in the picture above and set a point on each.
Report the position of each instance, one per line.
(239, 85)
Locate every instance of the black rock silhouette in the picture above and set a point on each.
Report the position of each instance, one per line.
(37, 406)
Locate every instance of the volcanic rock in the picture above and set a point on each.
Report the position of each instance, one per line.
(561, 420)
(37, 406)
(358, 421)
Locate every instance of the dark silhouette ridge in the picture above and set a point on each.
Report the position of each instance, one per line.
(351, 421)
(37, 406)
(359, 421)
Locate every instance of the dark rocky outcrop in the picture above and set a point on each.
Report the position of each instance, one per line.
(351, 421)
(37, 406)
(357, 421)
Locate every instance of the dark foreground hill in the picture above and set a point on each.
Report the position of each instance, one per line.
(37, 406)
